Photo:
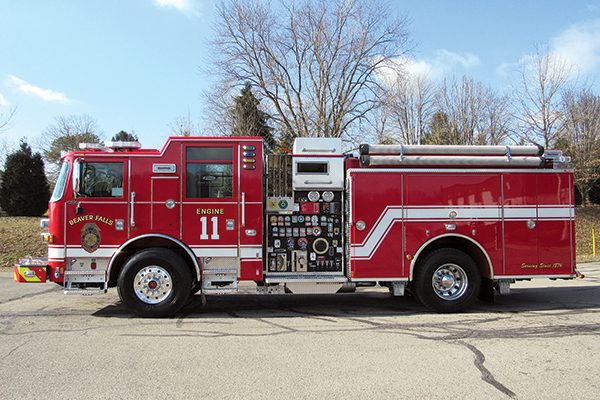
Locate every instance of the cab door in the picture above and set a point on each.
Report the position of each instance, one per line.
(97, 218)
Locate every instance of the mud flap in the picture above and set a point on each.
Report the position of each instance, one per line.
(487, 290)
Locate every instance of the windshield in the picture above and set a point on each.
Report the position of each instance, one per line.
(61, 182)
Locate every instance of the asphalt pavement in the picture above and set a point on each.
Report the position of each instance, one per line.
(540, 342)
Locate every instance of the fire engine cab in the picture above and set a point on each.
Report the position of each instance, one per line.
(448, 223)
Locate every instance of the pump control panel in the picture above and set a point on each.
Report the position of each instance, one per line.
(309, 239)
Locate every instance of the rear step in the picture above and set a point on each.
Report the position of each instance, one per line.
(76, 282)
(219, 280)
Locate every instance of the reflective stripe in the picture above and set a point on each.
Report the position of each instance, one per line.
(251, 252)
(554, 212)
(23, 270)
(56, 252)
(216, 252)
(461, 213)
(59, 252)
(393, 214)
(519, 212)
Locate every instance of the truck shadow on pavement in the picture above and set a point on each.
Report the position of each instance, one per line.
(568, 299)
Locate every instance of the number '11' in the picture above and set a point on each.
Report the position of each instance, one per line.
(215, 228)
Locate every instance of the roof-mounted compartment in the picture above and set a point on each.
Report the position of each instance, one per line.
(317, 146)
(318, 163)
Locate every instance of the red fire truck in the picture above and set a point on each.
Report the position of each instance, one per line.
(448, 223)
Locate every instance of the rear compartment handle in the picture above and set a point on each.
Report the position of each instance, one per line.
(318, 182)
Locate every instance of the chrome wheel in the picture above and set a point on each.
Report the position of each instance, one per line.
(152, 284)
(449, 282)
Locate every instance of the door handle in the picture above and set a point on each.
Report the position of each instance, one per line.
(132, 207)
(243, 209)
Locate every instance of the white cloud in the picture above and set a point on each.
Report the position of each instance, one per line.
(44, 94)
(183, 6)
(451, 58)
(3, 101)
(441, 63)
(579, 46)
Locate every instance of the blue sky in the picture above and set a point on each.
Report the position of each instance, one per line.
(138, 64)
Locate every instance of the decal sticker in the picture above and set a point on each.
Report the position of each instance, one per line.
(85, 218)
(540, 266)
(90, 237)
(210, 211)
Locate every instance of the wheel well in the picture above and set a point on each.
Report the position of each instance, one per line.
(467, 245)
(142, 243)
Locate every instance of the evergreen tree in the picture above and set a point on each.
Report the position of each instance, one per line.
(24, 188)
(440, 131)
(124, 136)
(248, 119)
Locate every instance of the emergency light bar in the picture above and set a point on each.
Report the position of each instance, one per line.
(124, 145)
(93, 146)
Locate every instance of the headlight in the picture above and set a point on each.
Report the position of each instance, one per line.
(44, 222)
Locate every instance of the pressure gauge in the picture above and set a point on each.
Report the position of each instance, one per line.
(328, 196)
(313, 196)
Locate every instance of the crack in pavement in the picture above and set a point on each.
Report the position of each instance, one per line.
(13, 350)
(486, 375)
(25, 296)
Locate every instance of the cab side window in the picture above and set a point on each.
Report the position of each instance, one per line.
(102, 179)
(209, 172)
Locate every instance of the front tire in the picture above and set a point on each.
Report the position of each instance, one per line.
(155, 283)
(447, 280)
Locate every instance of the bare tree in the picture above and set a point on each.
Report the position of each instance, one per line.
(6, 147)
(542, 76)
(409, 105)
(313, 61)
(496, 120)
(183, 125)
(6, 117)
(473, 113)
(580, 136)
(65, 135)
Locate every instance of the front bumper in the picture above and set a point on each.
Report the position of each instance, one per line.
(31, 270)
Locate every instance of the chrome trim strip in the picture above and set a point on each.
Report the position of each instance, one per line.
(558, 276)
(379, 280)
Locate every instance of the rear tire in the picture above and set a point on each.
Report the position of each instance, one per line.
(155, 283)
(447, 280)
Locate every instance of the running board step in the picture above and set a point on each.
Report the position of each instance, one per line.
(85, 292)
(306, 278)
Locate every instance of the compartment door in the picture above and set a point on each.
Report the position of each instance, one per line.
(556, 217)
(376, 225)
(165, 215)
(520, 224)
